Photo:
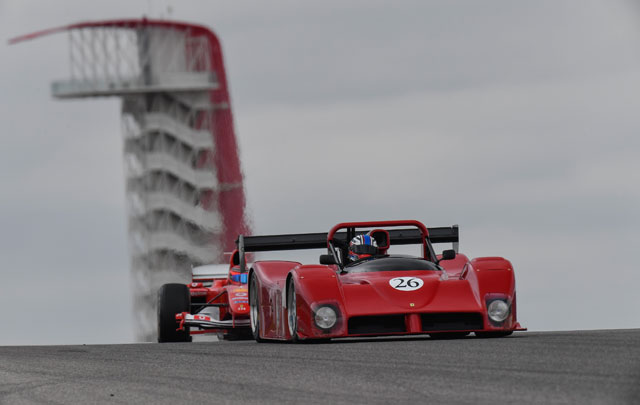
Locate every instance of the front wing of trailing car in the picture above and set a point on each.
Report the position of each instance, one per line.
(208, 322)
(217, 309)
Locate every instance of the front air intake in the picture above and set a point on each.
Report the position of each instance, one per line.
(377, 324)
(451, 321)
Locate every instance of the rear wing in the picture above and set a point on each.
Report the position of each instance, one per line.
(265, 243)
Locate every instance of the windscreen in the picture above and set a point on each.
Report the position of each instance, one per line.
(390, 263)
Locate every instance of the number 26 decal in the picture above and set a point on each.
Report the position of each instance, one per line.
(406, 283)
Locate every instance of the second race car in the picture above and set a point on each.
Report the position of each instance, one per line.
(216, 301)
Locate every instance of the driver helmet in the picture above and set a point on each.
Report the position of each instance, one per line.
(236, 276)
(361, 247)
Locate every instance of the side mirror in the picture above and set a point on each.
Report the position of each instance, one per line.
(327, 259)
(448, 254)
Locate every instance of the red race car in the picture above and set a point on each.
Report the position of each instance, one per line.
(216, 301)
(377, 293)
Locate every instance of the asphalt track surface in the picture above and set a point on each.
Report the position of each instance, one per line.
(599, 367)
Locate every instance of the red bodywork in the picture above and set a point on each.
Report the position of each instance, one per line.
(453, 298)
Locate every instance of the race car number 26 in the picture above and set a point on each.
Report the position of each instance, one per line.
(406, 283)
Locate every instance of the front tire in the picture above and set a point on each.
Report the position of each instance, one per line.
(172, 299)
(485, 335)
(254, 308)
(292, 310)
(448, 335)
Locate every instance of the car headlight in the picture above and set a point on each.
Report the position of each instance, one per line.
(498, 310)
(325, 317)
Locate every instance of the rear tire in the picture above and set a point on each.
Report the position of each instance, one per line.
(172, 299)
(486, 335)
(254, 308)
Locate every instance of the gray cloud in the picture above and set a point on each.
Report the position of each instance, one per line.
(380, 51)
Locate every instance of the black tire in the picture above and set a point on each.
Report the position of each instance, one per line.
(292, 311)
(486, 335)
(448, 335)
(172, 299)
(254, 308)
(243, 334)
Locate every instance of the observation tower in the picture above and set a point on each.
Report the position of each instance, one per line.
(184, 184)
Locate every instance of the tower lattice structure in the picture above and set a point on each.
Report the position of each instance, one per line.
(184, 185)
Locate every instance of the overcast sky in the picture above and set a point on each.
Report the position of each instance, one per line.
(518, 121)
